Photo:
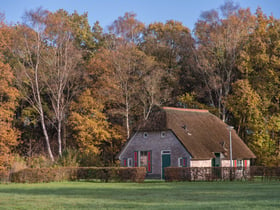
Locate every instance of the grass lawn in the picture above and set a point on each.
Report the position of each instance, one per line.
(147, 195)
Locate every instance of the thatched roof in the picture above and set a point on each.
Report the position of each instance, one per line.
(201, 132)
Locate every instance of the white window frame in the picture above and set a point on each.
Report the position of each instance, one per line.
(165, 152)
(179, 162)
(129, 162)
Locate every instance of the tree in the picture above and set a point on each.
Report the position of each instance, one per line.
(246, 106)
(120, 78)
(259, 65)
(172, 46)
(61, 59)
(220, 41)
(8, 102)
(128, 28)
(49, 53)
(28, 48)
(92, 131)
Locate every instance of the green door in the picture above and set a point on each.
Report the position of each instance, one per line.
(165, 162)
(216, 164)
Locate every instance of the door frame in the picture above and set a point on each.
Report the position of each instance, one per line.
(164, 152)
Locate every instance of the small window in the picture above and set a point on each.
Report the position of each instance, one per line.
(182, 162)
(239, 163)
(162, 134)
(145, 135)
(129, 162)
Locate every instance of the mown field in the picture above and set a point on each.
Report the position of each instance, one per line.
(147, 195)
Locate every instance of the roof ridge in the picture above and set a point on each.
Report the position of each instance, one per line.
(186, 110)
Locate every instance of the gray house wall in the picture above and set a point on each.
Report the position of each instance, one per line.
(156, 143)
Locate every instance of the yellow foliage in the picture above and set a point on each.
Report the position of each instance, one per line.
(89, 124)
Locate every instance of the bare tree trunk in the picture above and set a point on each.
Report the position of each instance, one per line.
(127, 117)
(59, 138)
(64, 135)
(46, 137)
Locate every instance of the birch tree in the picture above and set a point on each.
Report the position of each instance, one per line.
(29, 48)
(61, 59)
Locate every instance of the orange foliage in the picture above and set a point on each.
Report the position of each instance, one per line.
(8, 96)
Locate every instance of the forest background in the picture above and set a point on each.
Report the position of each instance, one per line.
(72, 94)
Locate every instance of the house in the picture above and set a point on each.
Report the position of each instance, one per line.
(183, 138)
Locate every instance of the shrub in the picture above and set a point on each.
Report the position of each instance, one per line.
(4, 175)
(105, 174)
(39, 161)
(88, 160)
(18, 164)
(69, 158)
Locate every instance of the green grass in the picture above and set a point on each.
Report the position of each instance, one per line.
(147, 195)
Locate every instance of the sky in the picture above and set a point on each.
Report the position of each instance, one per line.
(147, 11)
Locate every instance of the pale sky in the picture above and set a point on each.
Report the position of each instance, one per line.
(147, 11)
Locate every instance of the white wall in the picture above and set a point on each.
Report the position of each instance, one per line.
(201, 163)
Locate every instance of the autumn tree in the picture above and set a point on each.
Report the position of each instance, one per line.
(220, 41)
(92, 131)
(128, 28)
(129, 79)
(8, 102)
(28, 48)
(61, 59)
(119, 79)
(172, 46)
(49, 53)
(259, 66)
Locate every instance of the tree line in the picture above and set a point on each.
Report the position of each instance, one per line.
(66, 85)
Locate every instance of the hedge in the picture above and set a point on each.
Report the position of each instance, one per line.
(4, 175)
(105, 174)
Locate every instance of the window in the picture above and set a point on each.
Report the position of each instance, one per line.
(182, 162)
(145, 135)
(239, 163)
(129, 162)
(145, 160)
(162, 134)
